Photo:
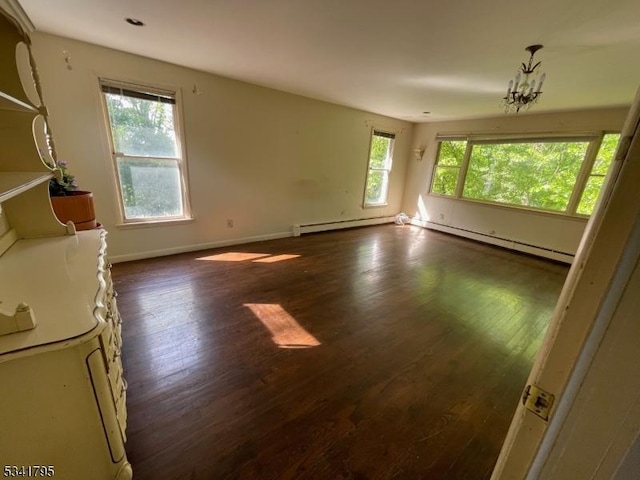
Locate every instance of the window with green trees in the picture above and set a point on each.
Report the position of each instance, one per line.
(146, 151)
(553, 174)
(379, 169)
(447, 172)
(598, 171)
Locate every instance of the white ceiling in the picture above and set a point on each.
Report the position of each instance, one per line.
(398, 58)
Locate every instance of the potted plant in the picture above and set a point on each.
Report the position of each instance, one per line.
(68, 202)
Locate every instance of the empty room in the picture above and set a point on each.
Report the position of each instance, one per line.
(319, 240)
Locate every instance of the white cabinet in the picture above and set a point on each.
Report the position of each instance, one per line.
(63, 399)
(62, 389)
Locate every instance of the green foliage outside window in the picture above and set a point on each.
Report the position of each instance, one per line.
(450, 157)
(379, 151)
(377, 185)
(539, 174)
(150, 187)
(142, 127)
(598, 172)
(144, 140)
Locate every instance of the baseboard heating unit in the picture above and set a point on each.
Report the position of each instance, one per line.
(501, 242)
(302, 228)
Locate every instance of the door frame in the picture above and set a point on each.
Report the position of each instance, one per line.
(594, 287)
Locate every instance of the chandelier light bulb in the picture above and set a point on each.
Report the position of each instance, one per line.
(544, 75)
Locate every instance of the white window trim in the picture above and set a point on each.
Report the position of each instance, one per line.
(384, 203)
(187, 215)
(594, 139)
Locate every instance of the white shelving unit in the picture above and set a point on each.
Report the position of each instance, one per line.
(7, 102)
(15, 183)
(63, 399)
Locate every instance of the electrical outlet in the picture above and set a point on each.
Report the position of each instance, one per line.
(229, 223)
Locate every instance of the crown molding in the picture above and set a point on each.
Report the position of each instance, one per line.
(15, 10)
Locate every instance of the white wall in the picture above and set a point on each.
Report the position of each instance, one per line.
(264, 158)
(492, 222)
(604, 420)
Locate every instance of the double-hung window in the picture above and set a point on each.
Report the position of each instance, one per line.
(379, 169)
(561, 174)
(147, 152)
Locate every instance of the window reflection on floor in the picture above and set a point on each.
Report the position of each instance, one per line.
(171, 359)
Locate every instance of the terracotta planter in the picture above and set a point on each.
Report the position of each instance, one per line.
(76, 206)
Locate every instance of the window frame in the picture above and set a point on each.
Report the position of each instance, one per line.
(585, 172)
(387, 169)
(181, 161)
(462, 168)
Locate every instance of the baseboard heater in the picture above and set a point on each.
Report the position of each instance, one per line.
(302, 228)
(501, 242)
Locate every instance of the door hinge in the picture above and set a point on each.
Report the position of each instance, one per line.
(538, 401)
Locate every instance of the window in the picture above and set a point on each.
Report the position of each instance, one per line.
(537, 174)
(545, 174)
(146, 151)
(380, 159)
(598, 172)
(447, 172)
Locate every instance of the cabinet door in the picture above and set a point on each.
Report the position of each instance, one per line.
(106, 405)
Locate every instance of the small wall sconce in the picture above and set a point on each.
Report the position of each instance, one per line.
(418, 153)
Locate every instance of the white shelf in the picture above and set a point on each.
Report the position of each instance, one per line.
(57, 278)
(14, 183)
(7, 102)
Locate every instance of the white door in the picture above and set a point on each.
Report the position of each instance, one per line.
(590, 357)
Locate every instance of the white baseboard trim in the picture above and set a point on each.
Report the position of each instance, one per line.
(501, 242)
(301, 229)
(196, 247)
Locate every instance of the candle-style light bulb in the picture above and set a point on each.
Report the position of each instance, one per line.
(517, 81)
(544, 75)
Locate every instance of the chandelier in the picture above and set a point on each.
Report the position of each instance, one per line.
(523, 91)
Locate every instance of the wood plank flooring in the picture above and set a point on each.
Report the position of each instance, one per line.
(378, 353)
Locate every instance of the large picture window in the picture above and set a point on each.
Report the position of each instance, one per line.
(379, 170)
(553, 174)
(146, 151)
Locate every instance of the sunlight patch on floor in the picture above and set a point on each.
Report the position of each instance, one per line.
(234, 257)
(247, 256)
(275, 258)
(285, 330)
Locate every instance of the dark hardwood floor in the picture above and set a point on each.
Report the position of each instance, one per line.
(377, 353)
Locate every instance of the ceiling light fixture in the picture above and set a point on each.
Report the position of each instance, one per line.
(135, 22)
(522, 92)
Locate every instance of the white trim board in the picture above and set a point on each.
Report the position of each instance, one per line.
(297, 231)
(501, 242)
(196, 247)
